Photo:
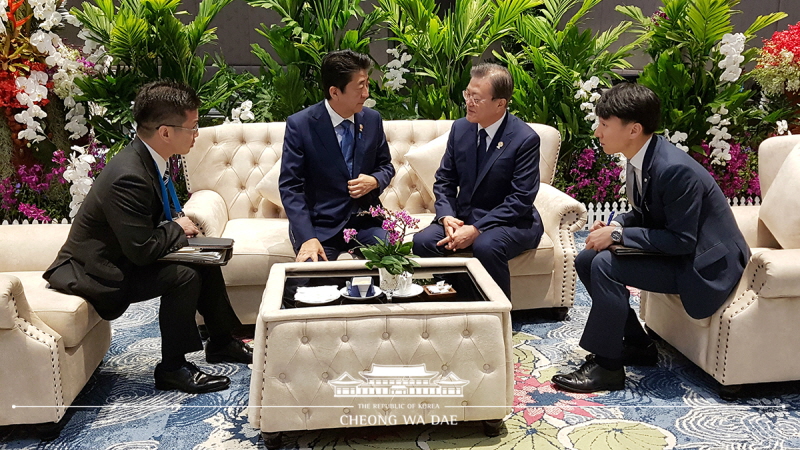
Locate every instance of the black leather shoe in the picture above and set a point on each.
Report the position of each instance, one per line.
(591, 378)
(189, 379)
(235, 352)
(636, 356)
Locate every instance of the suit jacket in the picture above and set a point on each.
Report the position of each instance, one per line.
(502, 192)
(684, 213)
(120, 225)
(314, 176)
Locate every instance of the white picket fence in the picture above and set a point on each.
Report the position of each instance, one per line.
(601, 211)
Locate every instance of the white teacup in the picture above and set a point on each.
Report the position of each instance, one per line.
(404, 283)
(363, 284)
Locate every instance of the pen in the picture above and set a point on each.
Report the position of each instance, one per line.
(610, 216)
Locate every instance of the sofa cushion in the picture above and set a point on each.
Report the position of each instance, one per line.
(425, 160)
(258, 244)
(780, 209)
(68, 315)
(268, 186)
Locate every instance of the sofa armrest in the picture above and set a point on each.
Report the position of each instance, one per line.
(753, 229)
(12, 302)
(777, 272)
(559, 211)
(207, 209)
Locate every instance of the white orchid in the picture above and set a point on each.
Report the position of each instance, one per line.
(369, 103)
(394, 74)
(731, 46)
(783, 127)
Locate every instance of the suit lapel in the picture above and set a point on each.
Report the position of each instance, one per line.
(322, 126)
(495, 149)
(648, 159)
(358, 143)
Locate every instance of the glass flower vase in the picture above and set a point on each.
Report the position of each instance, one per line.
(393, 285)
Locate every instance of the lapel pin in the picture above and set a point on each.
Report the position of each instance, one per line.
(360, 129)
(500, 144)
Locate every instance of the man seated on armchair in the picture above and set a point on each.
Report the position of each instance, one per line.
(487, 181)
(335, 164)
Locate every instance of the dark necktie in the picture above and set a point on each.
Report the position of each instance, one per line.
(165, 178)
(482, 137)
(634, 196)
(347, 145)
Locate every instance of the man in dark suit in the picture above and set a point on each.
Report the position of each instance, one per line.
(487, 181)
(335, 163)
(678, 210)
(111, 257)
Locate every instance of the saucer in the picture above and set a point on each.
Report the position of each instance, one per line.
(316, 295)
(413, 290)
(346, 295)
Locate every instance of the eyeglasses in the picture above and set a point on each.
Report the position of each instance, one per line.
(193, 129)
(470, 98)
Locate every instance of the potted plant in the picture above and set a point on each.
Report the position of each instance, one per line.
(392, 256)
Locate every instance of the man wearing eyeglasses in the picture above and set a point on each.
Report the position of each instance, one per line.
(487, 181)
(111, 257)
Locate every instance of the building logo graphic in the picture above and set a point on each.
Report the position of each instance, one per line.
(399, 381)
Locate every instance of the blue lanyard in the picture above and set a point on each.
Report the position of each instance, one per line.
(172, 194)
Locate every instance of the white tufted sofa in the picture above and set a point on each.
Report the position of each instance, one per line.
(227, 163)
(753, 337)
(50, 343)
(298, 351)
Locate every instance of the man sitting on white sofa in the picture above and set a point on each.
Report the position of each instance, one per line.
(336, 163)
(485, 193)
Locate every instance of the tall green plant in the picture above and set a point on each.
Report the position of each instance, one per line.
(553, 54)
(443, 48)
(145, 41)
(308, 30)
(684, 39)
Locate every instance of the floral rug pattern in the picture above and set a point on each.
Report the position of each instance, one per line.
(673, 405)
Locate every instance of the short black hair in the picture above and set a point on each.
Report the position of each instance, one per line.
(631, 102)
(499, 77)
(163, 102)
(338, 68)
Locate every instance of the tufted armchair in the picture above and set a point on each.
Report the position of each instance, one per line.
(232, 173)
(752, 338)
(50, 343)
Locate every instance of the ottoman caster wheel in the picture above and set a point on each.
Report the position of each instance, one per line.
(272, 440)
(730, 393)
(559, 313)
(492, 428)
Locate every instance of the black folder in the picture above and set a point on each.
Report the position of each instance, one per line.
(203, 250)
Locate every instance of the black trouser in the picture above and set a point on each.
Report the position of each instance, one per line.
(184, 290)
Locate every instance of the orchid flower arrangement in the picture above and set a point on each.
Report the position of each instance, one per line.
(392, 254)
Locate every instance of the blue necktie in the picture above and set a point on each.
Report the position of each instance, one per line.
(482, 135)
(347, 145)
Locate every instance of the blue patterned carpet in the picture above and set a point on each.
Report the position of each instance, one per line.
(673, 405)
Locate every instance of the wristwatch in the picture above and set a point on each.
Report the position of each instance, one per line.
(616, 235)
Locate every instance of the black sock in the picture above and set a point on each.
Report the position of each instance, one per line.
(608, 363)
(640, 341)
(173, 363)
(219, 342)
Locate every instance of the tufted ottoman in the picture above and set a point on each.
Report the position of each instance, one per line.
(432, 362)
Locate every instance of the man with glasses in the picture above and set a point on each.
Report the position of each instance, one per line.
(127, 222)
(487, 181)
(335, 163)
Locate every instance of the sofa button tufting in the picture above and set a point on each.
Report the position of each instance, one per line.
(305, 410)
(465, 333)
(255, 210)
(324, 375)
(425, 335)
(244, 188)
(345, 338)
(282, 376)
(385, 336)
(304, 339)
(444, 367)
(486, 367)
(464, 403)
(346, 410)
